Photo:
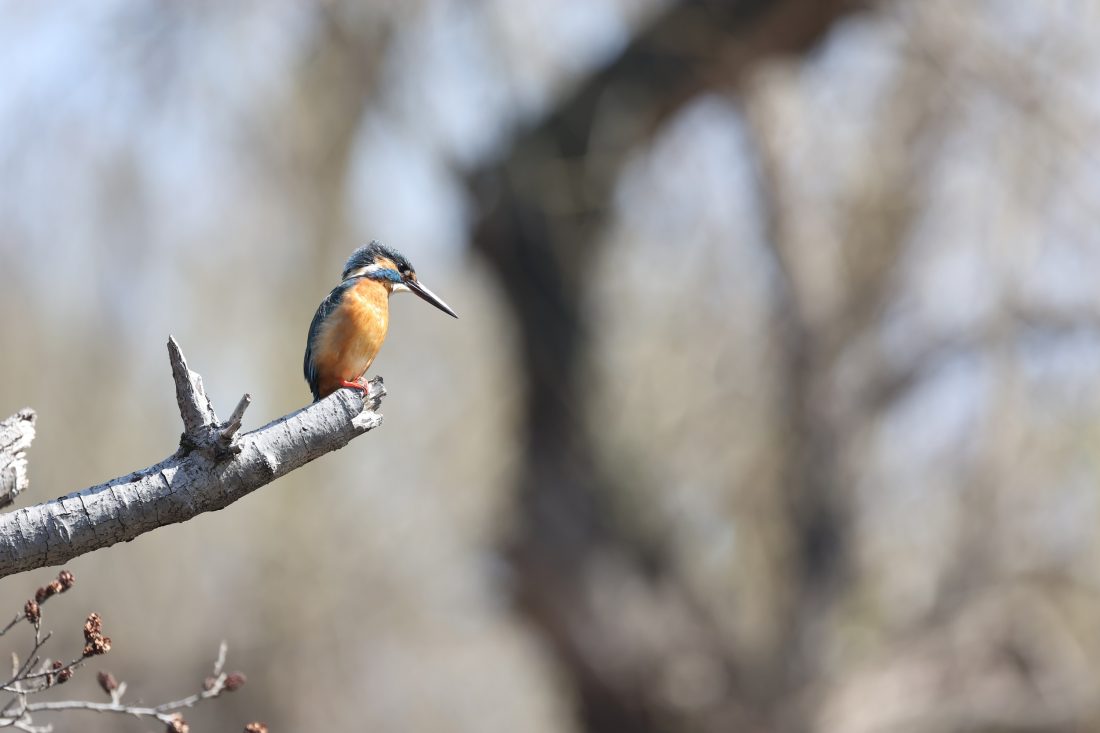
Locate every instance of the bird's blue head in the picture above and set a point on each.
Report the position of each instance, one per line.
(376, 261)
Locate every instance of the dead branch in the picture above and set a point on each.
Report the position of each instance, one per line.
(214, 467)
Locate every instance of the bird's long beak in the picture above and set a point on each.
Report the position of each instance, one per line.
(429, 296)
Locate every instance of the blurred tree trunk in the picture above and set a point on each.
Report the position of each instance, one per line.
(542, 213)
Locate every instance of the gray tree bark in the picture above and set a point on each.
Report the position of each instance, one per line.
(16, 434)
(214, 466)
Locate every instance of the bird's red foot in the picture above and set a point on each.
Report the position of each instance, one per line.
(363, 387)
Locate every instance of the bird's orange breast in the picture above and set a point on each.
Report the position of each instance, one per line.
(349, 340)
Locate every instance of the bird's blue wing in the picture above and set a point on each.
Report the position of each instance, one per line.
(324, 311)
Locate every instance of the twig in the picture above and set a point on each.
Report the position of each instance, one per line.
(225, 437)
(64, 581)
(31, 661)
(162, 712)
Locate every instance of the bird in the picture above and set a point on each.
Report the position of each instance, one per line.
(351, 323)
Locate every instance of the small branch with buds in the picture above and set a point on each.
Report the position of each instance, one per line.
(32, 610)
(167, 713)
(215, 466)
(36, 674)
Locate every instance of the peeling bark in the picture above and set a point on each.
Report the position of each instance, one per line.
(214, 466)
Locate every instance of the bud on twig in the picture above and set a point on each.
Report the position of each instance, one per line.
(51, 677)
(255, 727)
(93, 626)
(32, 611)
(97, 646)
(97, 642)
(107, 681)
(177, 725)
(235, 681)
(66, 579)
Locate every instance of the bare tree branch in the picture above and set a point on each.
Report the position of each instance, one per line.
(218, 683)
(16, 434)
(214, 466)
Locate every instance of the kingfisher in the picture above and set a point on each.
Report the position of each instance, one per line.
(351, 323)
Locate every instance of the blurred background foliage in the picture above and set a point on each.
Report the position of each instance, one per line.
(773, 402)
